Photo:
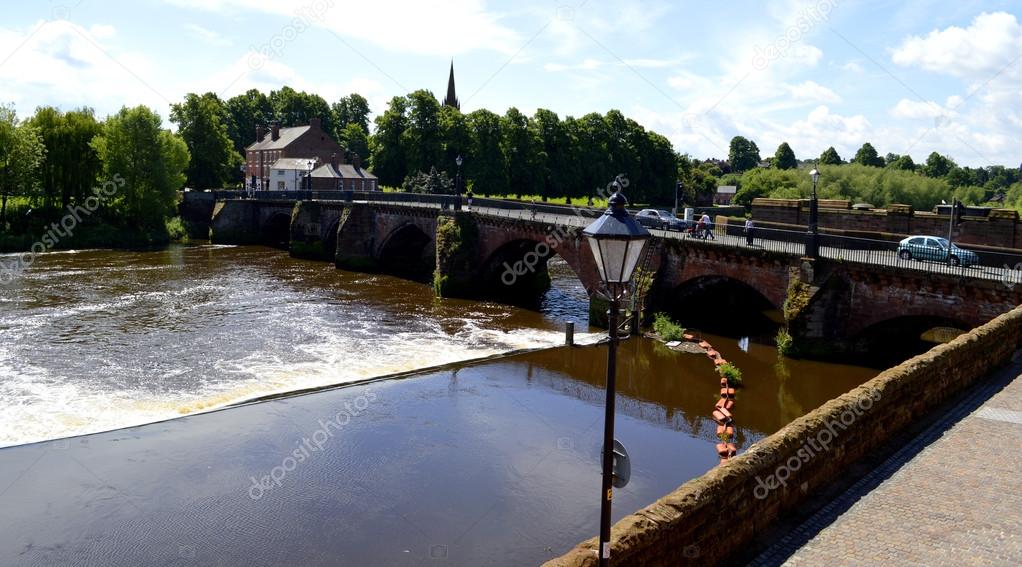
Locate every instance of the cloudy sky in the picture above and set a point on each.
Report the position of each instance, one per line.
(910, 76)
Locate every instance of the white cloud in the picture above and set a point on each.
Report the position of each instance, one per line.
(584, 65)
(989, 45)
(852, 67)
(207, 35)
(63, 64)
(810, 90)
(914, 109)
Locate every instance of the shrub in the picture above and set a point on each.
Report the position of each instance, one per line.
(666, 328)
(731, 372)
(785, 344)
(176, 229)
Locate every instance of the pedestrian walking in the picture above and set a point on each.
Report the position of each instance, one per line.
(707, 227)
(748, 231)
(469, 196)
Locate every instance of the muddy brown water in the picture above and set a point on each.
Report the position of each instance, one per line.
(492, 462)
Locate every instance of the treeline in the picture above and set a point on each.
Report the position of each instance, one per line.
(56, 164)
(517, 154)
(509, 154)
(868, 178)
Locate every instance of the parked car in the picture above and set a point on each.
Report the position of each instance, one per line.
(660, 218)
(936, 249)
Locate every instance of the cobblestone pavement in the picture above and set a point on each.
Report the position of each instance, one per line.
(952, 496)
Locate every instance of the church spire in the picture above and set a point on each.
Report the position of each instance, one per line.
(452, 99)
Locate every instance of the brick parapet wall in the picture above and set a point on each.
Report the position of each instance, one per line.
(710, 519)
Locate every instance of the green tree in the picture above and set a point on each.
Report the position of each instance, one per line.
(21, 155)
(352, 109)
(784, 158)
(830, 157)
(867, 155)
(71, 166)
(420, 140)
(355, 141)
(902, 162)
(559, 166)
(201, 122)
(743, 154)
(244, 112)
(522, 149)
(150, 160)
(297, 108)
(937, 165)
(389, 162)
(485, 163)
(454, 137)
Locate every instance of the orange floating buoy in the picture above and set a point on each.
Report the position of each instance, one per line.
(724, 403)
(712, 353)
(719, 361)
(727, 392)
(723, 383)
(726, 450)
(722, 416)
(704, 344)
(687, 336)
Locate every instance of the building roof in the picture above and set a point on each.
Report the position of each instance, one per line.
(342, 171)
(727, 189)
(287, 135)
(301, 164)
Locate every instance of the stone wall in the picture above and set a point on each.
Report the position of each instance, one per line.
(710, 519)
(1000, 228)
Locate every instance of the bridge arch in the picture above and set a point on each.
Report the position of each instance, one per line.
(408, 252)
(276, 230)
(724, 305)
(517, 271)
(887, 340)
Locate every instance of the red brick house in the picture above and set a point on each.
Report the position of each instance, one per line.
(338, 176)
(306, 142)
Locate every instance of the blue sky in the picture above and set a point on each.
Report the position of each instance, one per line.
(909, 76)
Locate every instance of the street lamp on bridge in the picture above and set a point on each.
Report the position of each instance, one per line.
(457, 182)
(617, 241)
(813, 236)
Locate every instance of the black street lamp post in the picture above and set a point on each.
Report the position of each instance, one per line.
(813, 236)
(457, 182)
(617, 241)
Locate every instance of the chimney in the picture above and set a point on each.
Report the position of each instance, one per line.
(260, 132)
(276, 131)
(315, 124)
(356, 160)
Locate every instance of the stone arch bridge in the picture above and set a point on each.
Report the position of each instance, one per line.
(502, 254)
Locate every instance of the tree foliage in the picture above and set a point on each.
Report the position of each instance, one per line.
(867, 155)
(21, 155)
(202, 124)
(784, 157)
(743, 154)
(830, 157)
(71, 166)
(152, 161)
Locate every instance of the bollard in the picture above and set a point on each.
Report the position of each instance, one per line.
(569, 333)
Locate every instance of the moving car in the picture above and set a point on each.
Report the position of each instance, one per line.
(660, 218)
(936, 249)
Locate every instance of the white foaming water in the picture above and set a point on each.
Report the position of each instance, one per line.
(79, 357)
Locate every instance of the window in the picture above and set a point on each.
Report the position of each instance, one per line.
(917, 241)
(281, 186)
(280, 172)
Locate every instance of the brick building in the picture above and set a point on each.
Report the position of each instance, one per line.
(299, 142)
(338, 176)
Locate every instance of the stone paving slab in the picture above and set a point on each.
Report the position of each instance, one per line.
(951, 496)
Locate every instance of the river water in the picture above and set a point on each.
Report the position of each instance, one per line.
(484, 463)
(96, 340)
